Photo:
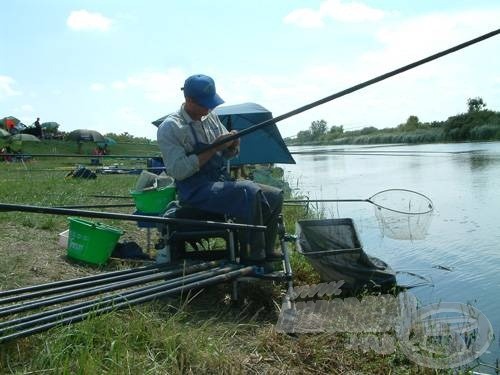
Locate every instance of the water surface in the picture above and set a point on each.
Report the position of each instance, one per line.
(461, 253)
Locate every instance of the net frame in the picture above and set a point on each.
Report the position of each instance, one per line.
(396, 223)
(425, 201)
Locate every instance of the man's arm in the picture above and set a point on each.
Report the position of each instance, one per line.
(174, 147)
(229, 149)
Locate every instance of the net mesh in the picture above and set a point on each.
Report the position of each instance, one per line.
(403, 214)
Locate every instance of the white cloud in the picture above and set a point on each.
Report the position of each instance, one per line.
(27, 108)
(119, 85)
(130, 121)
(97, 86)
(130, 116)
(336, 10)
(6, 87)
(432, 91)
(350, 12)
(305, 18)
(158, 87)
(83, 20)
(420, 37)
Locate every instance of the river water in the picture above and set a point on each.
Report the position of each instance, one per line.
(461, 253)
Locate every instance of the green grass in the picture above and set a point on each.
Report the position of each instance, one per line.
(199, 333)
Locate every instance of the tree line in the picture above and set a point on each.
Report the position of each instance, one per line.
(477, 124)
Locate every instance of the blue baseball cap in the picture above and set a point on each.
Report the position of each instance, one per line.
(201, 89)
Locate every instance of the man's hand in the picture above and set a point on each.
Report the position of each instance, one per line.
(230, 148)
(228, 145)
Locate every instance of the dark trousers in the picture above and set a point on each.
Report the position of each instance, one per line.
(255, 246)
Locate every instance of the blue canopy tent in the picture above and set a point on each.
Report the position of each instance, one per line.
(262, 146)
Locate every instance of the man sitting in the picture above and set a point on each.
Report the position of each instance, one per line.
(201, 177)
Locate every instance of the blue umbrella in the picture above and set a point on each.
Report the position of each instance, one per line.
(260, 147)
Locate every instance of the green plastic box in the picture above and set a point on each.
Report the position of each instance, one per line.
(91, 242)
(153, 201)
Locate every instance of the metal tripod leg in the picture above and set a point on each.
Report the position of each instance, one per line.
(163, 255)
(287, 267)
(232, 258)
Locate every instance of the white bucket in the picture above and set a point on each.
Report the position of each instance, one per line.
(63, 238)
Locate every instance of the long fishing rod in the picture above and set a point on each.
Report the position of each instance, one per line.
(187, 273)
(98, 303)
(101, 170)
(85, 156)
(385, 199)
(71, 296)
(56, 284)
(242, 132)
(110, 196)
(347, 91)
(145, 297)
(370, 154)
(375, 152)
(141, 276)
(111, 299)
(47, 289)
(98, 205)
(118, 216)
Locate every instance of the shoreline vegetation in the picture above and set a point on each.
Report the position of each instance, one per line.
(477, 124)
(195, 333)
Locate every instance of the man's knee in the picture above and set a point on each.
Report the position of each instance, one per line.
(274, 196)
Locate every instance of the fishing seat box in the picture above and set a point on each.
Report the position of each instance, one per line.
(192, 241)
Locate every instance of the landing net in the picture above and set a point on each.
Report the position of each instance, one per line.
(403, 214)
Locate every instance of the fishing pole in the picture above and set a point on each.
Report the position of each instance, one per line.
(110, 196)
(369, 154)
(85, 156)
(110, 300)
(382, 197)
(350, 90)
(141, 298)
(99, 205)
(101, 171)
(384, 152)
(73, 295)
(55, 284)
(81, 285)
(196, 269)
(118, 216)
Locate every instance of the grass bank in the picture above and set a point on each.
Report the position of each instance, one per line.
(198, 333)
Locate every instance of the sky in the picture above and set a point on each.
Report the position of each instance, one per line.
(116, 65)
